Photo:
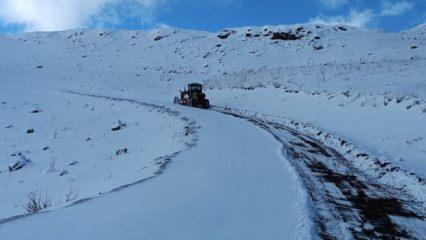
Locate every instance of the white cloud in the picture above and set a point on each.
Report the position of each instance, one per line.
(333, 3)
(396, 8)
(355, 19)
(52, 15)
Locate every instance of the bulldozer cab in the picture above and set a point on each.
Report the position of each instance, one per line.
(195, 87)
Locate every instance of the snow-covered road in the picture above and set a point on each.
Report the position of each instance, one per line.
(347, 203)
(234, 184)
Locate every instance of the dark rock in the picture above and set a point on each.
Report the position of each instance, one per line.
(224, 35)
(285, 36)
(18, 164)
(73, 163)
(158, 38)
(121, 151)
(118, 125)
(319, 47)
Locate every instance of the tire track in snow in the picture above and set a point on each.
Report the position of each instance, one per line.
(347, 203)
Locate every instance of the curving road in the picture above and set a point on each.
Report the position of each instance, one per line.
(347, 204)
(239, 182)
(234, 184)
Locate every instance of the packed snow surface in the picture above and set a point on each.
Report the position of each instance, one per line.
(223, 189)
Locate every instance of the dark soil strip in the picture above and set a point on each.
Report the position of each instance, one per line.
(346, 202)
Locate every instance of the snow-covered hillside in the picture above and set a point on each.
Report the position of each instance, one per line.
(361, 92)
(312, 58)
(79, 147)
(378, 76)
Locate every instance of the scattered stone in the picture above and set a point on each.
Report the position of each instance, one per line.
(46, 148)
(14, 154)
(73, 163)
(118, 125)
(359, 155)
(88, 139)
(36, 111)
(225, 34)
(121, 151)
(158, 38)
(39, 67)
(63, 173)
(20, 163)
(319, 47)
(9, 126)
(300, 29)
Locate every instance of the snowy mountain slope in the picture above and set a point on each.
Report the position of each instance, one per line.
(363, 87)
(351, 59)
(349, 66)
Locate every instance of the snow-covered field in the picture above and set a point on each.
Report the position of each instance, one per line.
(361, 92)
(218, 190)
(73, 150)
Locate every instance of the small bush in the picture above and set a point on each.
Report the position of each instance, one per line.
(71, 195)
(52, 164)
(37, 202)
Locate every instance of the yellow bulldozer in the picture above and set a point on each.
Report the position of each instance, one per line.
(193, 97)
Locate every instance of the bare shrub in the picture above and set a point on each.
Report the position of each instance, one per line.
(37, 202)
(52, 164)
(72, 194)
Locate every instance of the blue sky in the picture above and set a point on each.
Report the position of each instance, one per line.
(209, 15)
